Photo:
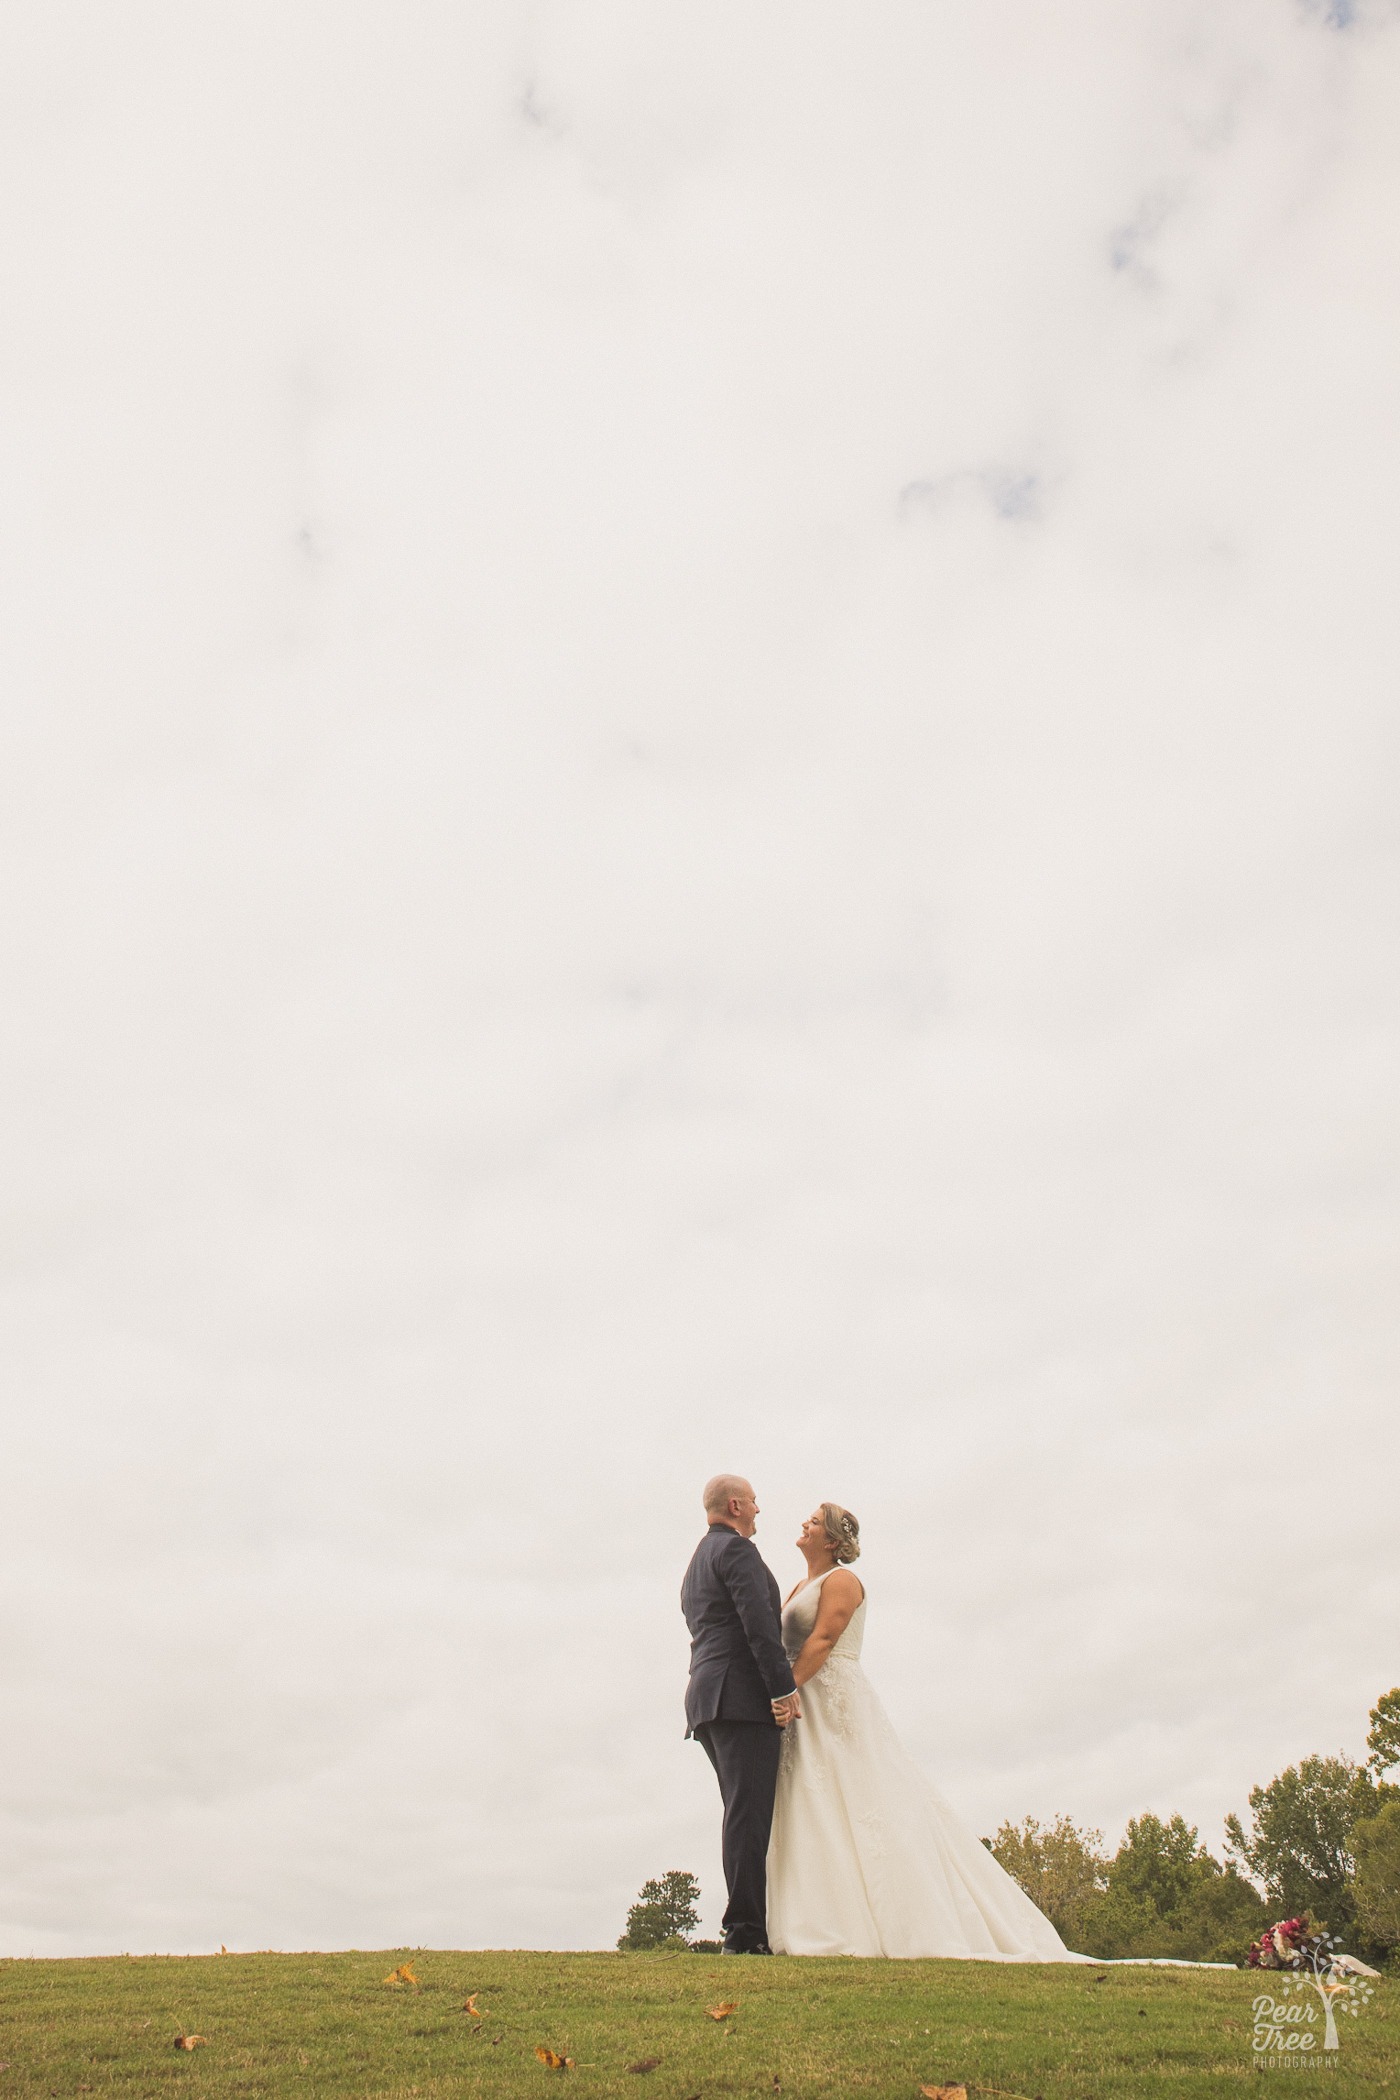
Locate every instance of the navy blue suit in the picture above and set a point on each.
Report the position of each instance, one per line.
(738, 1666)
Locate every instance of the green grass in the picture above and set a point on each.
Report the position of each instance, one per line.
(327, 2024)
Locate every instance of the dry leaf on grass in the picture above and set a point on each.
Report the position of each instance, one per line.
(403, 1974)
(722, 2012)
(190, 2041)
(645, 2063)
(944, 2092)
(552, 2060)
(470, 2006)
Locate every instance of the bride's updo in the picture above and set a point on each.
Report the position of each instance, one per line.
(842, 1530)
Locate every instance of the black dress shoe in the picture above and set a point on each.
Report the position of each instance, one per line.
(746, 1950)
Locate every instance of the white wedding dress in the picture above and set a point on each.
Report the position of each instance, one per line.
(866, 1856)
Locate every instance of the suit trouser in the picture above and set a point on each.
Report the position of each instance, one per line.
(745, 1757)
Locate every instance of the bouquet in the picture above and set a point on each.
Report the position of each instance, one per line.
(1296, 1943)
(1291, 1944)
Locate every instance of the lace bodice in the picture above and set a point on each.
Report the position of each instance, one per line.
(800, 1616)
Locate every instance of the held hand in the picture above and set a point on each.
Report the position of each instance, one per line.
(787, 1709)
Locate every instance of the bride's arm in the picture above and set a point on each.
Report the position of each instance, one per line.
(841, 1593)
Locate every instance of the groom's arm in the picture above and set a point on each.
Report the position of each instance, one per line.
(746, 1580)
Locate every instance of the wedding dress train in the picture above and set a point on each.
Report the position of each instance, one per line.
(866, 1856)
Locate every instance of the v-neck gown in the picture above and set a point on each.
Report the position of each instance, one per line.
(866, 1856)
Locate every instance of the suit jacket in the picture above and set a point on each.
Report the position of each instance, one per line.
(733, 1609)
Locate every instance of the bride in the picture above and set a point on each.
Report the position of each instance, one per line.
(866, 1856)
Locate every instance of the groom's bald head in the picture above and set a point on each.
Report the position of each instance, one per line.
(729, 1499)
(722, 1490)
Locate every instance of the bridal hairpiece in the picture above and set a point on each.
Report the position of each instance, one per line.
(842, 1529)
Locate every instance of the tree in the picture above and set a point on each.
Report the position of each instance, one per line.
(1376, 1844)
(1061, 1869)
(1224, 1913)
(1166, 1895)
(1159, 1863)
(1383, 1739)
(665, 1913)
(1299, 1846)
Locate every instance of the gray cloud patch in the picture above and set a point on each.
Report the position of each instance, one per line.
(1011, 494)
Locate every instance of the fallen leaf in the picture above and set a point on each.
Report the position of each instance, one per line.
(403, 1974)
(552, 2061)
(190, 2041)
(777, 2083)
(647, 2063)
(944, 2092)
(722, 2012)
(470, 2006)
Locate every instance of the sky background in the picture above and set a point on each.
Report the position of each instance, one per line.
(699, 770)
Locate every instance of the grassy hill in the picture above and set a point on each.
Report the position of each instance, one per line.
(638, 2028)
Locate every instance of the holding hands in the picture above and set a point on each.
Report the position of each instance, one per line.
(787, 1709)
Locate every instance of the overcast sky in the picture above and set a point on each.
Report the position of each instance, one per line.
(700, 770)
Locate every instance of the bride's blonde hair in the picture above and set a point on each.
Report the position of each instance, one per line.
(843, 1531)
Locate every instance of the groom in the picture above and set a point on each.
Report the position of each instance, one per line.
(740, 1695)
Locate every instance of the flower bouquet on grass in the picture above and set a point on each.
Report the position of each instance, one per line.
(1290, 1944)
(1297, 1943)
